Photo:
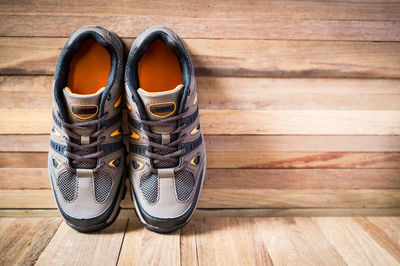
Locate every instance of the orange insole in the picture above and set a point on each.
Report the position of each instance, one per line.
(159, 69)
(89, 68)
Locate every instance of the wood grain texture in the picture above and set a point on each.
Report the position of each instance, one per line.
(356, 20)
(249, 160)
(143, 247)
(234, 122)
(228, 93)
(244, 247)
(255, 143)
(295, 242)
(240, 198)
(188, 245)
(380, 237)
(37, 178)
(244, 58)
(206, 241)
(242, 212)
(354, 244)
(29, 235)
(71, 247)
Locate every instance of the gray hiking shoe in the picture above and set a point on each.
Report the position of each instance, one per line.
(167, 158)
(87, 156)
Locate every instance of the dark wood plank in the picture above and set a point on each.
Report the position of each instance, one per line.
(218, 143)
(37, 178)
(248, 160)
(242, 93)
(221, 57)
(336, 20)
(254, 143)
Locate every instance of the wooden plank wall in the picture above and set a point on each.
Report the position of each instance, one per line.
(300, 100)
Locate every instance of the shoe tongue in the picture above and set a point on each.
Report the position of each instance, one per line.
(160, 105)
(82, 107)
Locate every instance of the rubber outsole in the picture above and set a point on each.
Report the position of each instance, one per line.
(166, 229)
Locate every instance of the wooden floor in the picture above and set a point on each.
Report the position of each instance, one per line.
(206, 241)
(300, 106)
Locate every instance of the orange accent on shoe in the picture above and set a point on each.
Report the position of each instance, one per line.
(134, 134)
(118, 102)
(116, 133)
(194, 131)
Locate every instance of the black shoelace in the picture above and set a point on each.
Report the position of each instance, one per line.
(91, 157)
(172, 149)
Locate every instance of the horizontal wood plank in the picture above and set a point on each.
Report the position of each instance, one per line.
(233, 122)
(255, 143)
(242, 93)
(249, 160)
(239, 198)
(36, 178)
(235, 57)
(243, 212)
(358, 20)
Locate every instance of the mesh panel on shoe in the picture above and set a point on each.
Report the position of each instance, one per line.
(164, 164)
(184, 184)
(149, 187)
(67, 184)
(84, 165)
(102, 186)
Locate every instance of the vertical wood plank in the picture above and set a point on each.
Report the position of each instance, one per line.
(380, 236)
(188, 245)
(69, 246)
(143, 247)
(355, 245)
(23, 240)
(296, 241)
(229, 241)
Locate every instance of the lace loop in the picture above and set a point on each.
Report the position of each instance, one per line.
(171, 151)
(75, 158)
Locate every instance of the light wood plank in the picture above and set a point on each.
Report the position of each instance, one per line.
(221, 57)
(260, 143)
(300, 122)
(296, 241)
(17, 178)
(274, 236)
(218, 237)
(188, 245)
(243, 212)
(233, 122)
(389, 225)
(240, 198)
(302, 160)
(380, 237)
(23, 240)
(275, 10)
(227, 93)
(143, 247)
(355, 245)
(276, 20)
(255, 143)
(248, 160)
(71, 247)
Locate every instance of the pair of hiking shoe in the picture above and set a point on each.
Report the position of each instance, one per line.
(166, 157)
